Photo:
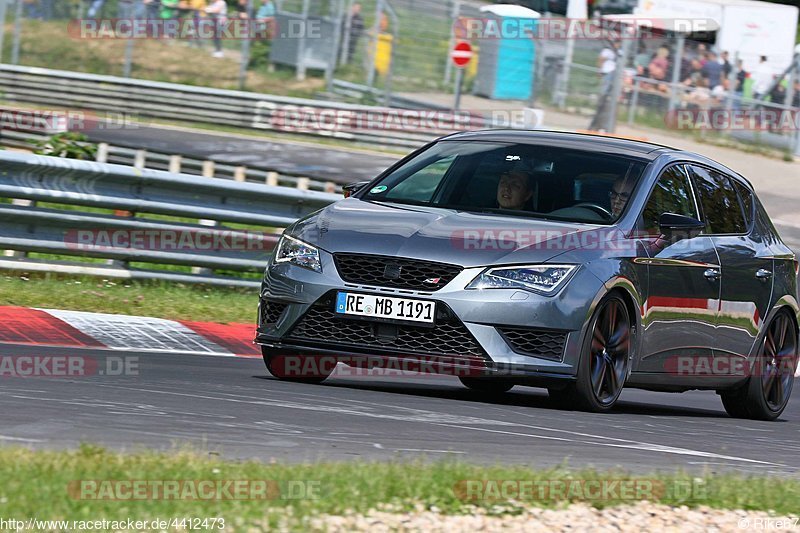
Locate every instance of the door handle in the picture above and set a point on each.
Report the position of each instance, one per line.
(763, 274)
(712, 274)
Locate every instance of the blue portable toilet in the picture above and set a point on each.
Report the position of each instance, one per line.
(506, 63)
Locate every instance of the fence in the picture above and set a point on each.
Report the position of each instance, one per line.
(125, 221)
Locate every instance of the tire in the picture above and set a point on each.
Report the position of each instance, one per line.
(769, 387)
(604, 360)
(487, 385)
(303, 369)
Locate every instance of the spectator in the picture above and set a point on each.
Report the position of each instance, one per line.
(642, 60)
(778, 94)
(218, 12)
(94, 8)
(695, 73)
(607, 61)
(169, 9)
(762, 78)
(266, 11)
(660, 64)
(241, 9)
(712, 70)
(265, 17)
(356, 30)
(726, 65)
(738, 88)
(151, 9)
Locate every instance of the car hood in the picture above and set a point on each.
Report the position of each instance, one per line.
(436, 234)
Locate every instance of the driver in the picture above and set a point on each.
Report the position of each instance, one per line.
(514, 189)
(619, 195)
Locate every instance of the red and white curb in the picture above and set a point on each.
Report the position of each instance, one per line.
(77, 329)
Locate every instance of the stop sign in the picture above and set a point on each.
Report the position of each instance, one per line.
(461, 54)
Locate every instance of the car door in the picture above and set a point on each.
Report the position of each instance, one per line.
(680, 310)
(747, 265)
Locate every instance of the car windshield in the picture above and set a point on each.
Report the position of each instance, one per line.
(514, 179)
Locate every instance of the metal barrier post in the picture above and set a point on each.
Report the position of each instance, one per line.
(676, 71)
(634, 102)
(17, 33)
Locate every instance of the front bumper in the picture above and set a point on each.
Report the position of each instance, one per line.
(499, 330)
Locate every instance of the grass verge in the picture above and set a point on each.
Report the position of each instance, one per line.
(174, 301)
(300, 491)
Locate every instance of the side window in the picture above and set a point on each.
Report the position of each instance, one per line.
(721, 206)
(672, 194)
(746, 197)
(421, 185)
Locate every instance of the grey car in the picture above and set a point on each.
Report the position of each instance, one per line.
(578, 263)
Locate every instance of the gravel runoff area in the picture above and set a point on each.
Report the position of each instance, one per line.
(643, 516)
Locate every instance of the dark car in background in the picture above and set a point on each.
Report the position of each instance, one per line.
(578, 263)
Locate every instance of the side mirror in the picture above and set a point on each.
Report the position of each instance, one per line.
(682, 226)
(351, 188)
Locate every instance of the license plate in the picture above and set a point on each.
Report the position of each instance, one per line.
(371, 305)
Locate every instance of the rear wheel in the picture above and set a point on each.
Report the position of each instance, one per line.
(298, 368)
(767, 391)
(603, 365)
(487, 385)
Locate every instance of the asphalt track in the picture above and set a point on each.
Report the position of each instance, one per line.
(232, 407)
(289, 157)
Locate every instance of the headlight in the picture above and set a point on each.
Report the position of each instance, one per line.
(291, 250)
(544, 279)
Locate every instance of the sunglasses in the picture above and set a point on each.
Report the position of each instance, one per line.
(615, 194)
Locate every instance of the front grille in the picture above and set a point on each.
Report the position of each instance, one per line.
(271, 311)
(536, 342)
(402, 273)
(452, 339)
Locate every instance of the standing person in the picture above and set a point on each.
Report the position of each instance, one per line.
(726, 64)
(265, 18)
(762, 79)
(152, 8)
(356, 30)
(607, 61)
(94, 8)
(218, 13)
(712, 70)
(738, 88)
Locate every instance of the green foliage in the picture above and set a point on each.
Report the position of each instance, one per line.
(69, 144)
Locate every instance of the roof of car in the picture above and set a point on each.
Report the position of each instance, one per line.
(582, 141)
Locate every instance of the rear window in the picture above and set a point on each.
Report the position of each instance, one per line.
(722, 208)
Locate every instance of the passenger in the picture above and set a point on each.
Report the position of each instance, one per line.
(514, 189)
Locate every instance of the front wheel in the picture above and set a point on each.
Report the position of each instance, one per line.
(603, 365)
(298, 368)
(767, 391)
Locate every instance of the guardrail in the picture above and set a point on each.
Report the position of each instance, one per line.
(178, 163)
(201, 223)
(186, 103)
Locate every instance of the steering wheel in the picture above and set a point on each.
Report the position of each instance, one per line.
(597, 208)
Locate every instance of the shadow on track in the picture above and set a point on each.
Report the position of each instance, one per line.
(528, 397)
